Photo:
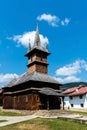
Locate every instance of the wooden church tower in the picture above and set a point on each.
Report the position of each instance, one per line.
(37, 56)
(34, 89)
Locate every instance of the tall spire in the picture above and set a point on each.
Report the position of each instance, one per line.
(29, 46)
(37, 55)
(45, 45)
(37, 38)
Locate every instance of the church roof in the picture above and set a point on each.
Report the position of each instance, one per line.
(50, 92)
(35, 76)
(39, 49)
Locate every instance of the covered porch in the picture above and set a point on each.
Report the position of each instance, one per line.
(50, 99)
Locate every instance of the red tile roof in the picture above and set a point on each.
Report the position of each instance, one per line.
(80, 90)
(70, 90)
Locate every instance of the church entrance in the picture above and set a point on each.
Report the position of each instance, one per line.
(50, 102)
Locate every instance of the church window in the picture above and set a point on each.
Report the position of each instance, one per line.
(41, 58)
(37, 97)
(31, 59)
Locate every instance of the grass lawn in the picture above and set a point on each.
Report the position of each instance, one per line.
(46, 124)
(79, 112)
(2, 121)
(3, 113)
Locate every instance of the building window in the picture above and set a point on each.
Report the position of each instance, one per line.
(31, 59)
(80, 96)
(71, 98)
(41, 57)
(81, 105)
(37, 97)
(71, 105)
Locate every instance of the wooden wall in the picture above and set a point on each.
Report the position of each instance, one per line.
(7, 102)
(31, 102)
(39, 68)
(24, 102)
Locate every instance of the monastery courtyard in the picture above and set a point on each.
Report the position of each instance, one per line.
(43, 114)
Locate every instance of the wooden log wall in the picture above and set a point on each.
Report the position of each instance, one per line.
(7, 102)
(24, 102)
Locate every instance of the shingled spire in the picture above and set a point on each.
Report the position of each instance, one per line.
(37, 38)
(29, 46)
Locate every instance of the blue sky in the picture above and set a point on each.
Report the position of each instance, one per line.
(62, 24)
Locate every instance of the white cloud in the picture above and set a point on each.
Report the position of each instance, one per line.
(71, 79)
(70, 69)
(24, 39)
(5, 78)
(51, 19)
(84, 64)
(64, 22)
(68, 73)
(67, 79)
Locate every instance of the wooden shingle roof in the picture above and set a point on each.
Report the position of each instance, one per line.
(50, 92)
(40, 77)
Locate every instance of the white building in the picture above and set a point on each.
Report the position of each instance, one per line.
(76, 97)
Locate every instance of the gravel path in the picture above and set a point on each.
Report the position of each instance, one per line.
(14, 119)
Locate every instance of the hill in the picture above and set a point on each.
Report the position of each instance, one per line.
(73, 84)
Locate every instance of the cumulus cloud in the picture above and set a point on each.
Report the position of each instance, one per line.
(68, 73)
(84, 64)
(5, 78)
(24, 38)
(51, 19)
(70, 69)
(67, 79)
(65, 22)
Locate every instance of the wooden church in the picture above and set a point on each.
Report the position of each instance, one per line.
(35, 89)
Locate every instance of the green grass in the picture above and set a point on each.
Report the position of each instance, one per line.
(4, 113)
(46, 124)
(79, 112)
(2, 121)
